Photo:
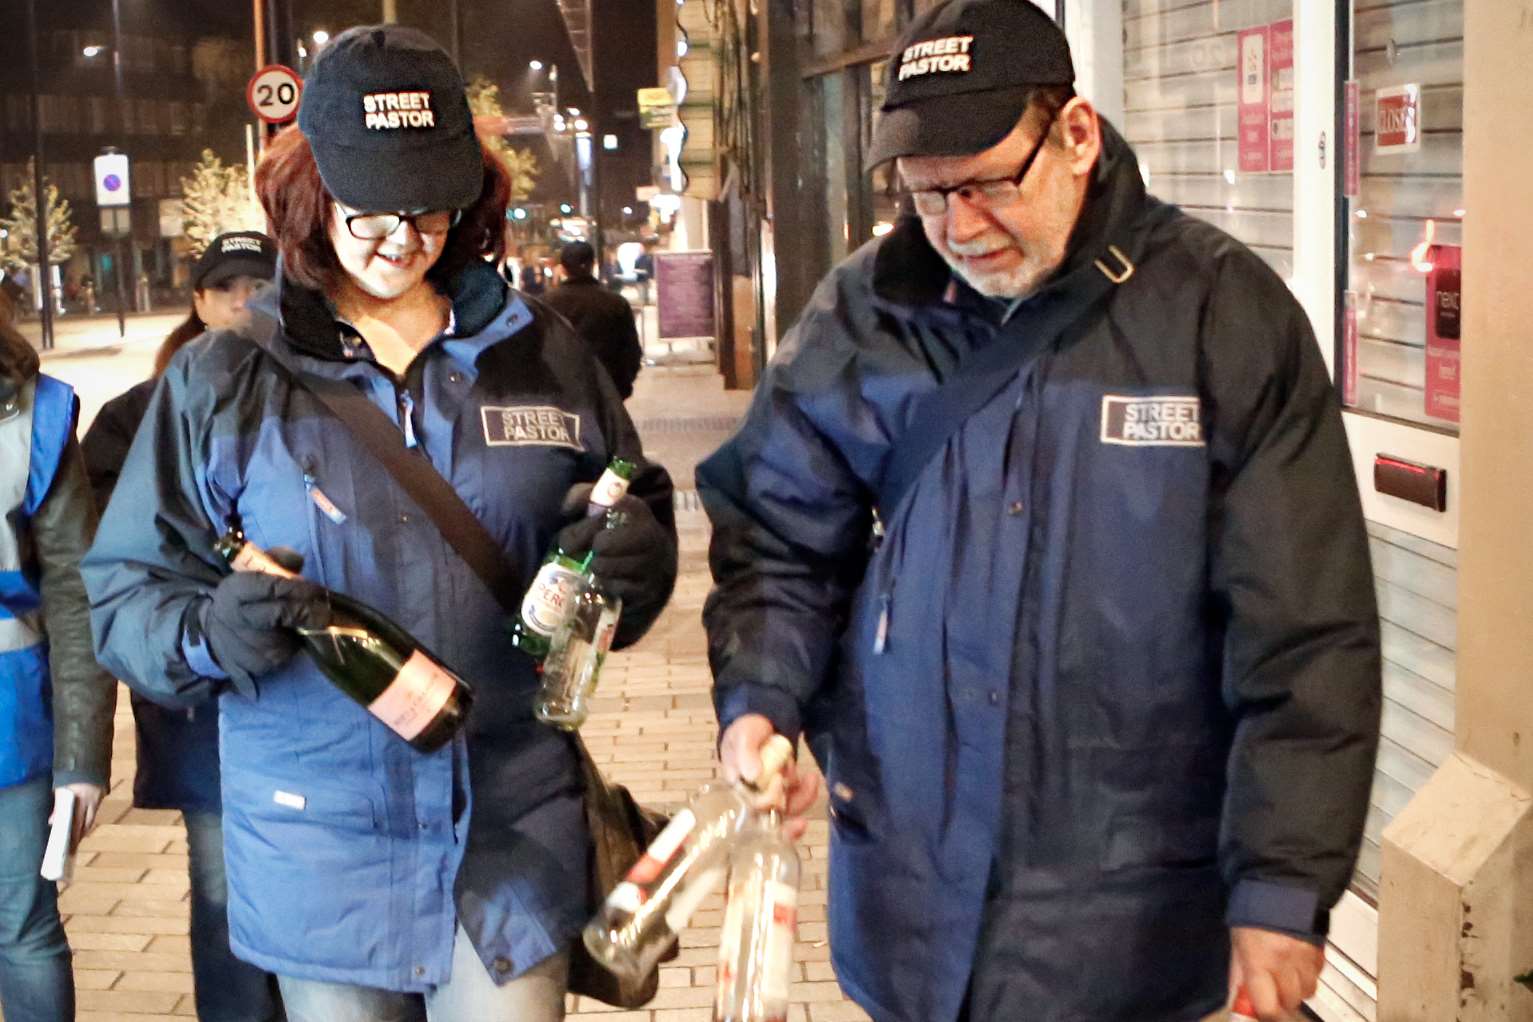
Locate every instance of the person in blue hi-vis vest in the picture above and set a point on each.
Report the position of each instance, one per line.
(55, 704)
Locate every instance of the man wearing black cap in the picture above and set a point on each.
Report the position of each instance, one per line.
(1098, 712)
(603, 319)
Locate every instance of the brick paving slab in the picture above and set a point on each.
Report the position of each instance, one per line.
(652, 729)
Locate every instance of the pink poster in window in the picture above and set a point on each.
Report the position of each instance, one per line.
(1444, 315)
(1254, 106)
(1353, 186)
(1280, 94)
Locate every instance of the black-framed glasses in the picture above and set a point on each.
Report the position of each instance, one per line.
(989, 193)
(377, 226)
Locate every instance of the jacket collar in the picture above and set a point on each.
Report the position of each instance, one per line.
(484, 312)
(585, 280)
(908, 271)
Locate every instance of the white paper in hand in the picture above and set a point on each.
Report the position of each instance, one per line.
(58, 857)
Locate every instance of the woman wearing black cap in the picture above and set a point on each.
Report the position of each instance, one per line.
(178, 749)
(376, 881)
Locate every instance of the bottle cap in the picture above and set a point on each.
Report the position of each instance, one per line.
(775, 754)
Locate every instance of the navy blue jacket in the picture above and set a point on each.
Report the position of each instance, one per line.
(351, 857)
(177, 749)
(1110, 683)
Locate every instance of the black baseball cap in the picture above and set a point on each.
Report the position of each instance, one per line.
(386, 115)
(236, 254)
(960, 75)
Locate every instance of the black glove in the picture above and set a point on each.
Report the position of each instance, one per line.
(635, 559)
(249, 622)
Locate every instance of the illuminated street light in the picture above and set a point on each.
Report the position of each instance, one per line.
(582, 125)
(536, 65)
(628, 211)
(321, 37)
(92, 51)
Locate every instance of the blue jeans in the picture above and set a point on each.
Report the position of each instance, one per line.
(36, 980)
(227, 989)
(535, 996)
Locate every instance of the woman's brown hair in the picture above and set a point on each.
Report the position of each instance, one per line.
(299, 208)
(189, 329)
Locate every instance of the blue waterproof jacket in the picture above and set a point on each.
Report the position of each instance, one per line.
(1110, 682)
(351, 857)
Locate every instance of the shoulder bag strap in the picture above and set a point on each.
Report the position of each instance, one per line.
(941, 412)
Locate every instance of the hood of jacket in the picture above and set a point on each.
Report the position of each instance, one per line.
(483, 310)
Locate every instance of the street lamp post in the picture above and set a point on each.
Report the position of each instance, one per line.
(40, 196)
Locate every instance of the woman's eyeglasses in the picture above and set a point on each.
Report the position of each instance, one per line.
(377, 226)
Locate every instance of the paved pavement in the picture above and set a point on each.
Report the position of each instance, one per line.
(652, 728)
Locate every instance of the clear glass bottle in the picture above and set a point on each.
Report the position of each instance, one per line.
(575, 658)
(646, 912)
(551, 597)
(756, 943)
(373, 660)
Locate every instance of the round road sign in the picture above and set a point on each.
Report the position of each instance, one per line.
(273, 93)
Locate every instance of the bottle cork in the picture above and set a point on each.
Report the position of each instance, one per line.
(775, 754)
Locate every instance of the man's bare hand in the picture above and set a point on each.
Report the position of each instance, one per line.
(1279, 972)
(740, 755)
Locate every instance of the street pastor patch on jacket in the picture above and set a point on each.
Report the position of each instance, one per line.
(531, 426)
(1152, 421)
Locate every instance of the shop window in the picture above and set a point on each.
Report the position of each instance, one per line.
(1400, 331)
(829, 29)
(833, 126)
(878, 20)
(1208, 99)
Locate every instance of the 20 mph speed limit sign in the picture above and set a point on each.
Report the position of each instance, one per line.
(273, 93)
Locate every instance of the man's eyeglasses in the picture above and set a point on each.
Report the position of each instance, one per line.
(377, 226)
(990, 193)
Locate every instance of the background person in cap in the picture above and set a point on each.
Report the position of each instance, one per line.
(375, 881)
(603, 319)
(1105, 699)
(178, 748)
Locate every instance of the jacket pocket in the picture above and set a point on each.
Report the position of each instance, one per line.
(286, 801)
(310, 858)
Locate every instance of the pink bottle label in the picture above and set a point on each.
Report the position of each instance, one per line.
(415, 697)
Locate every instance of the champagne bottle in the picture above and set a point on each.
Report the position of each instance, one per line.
(646, 912)
(576, 655)
(550, 598)
(373, 660)
(756, 943)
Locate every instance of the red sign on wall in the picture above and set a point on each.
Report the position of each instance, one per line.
(1397, 120)
(1254, 101)
(1280, 95)
(1444, 317)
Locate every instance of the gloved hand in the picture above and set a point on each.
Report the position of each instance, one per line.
(249, 622)
(635, 560)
